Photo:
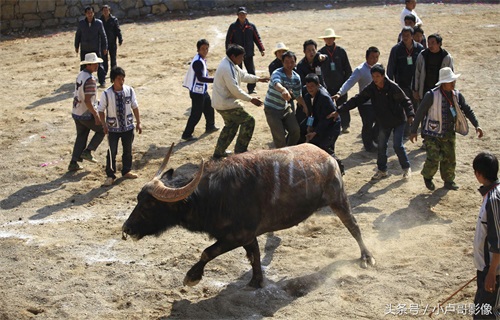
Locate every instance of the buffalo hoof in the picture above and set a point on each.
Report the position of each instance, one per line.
(367, 260)
(257, 284)
(190, 282)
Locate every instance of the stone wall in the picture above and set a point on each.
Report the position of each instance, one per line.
(26, 15)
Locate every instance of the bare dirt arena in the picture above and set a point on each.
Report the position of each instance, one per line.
(62, 256)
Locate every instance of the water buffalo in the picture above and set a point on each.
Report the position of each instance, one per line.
(236, 199)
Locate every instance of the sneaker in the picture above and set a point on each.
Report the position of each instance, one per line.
(74, 166)
(407, 173)
(252, 91)
(102, 84)
(346, 130)
(451, 185)
(87, 155)
(211, 129)
(429, 184)
(130, 175)
(189, 138)
(379, 175)
(108, 182)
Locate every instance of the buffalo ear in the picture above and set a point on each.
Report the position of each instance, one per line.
(169, 174)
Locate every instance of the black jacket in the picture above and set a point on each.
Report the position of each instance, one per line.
(321, 106)
(112, 29)
(91, 38)
(392, 106)
(334, 79)
(245, 35)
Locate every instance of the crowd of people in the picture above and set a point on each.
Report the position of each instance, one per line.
(305, 102)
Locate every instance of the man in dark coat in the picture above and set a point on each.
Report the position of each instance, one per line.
(113, 32)
(245, 34)
(91, 37)
(321, 131)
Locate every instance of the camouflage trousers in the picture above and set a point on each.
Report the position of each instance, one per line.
(440, 154)
(235, 119)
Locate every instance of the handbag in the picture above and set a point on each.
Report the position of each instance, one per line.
(461, 125)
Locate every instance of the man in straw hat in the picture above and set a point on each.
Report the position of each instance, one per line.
(85, 113)
(336, 70)
(440, 110)
(278, 52)
(245, 34)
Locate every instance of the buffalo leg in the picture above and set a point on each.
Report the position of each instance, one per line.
(195, 274)
(344, 213)
(253, 255)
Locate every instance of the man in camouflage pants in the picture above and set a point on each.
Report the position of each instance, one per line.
(227, 99)
(440, 107)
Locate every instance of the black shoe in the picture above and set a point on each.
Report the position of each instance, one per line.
(189, 138)
(429, 184)
(212, 129)
(226, 154)
(451, 185)
(252, 92)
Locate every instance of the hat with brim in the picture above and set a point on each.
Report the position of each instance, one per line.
(242, 10)
(91, 58)
(329, 33)
(280, 46)
(446, 75)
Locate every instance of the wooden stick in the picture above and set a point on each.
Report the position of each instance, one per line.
(454, 293)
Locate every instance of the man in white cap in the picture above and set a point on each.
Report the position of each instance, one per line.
(336, 70)
(85, 113)
(440, 109)
(278, 52)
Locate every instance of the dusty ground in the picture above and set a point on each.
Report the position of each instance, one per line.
(61, 252)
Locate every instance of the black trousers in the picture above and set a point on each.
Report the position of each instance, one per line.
(248, 61)
(485, 301)
(200, 104)
(111, 56)
(127, 138)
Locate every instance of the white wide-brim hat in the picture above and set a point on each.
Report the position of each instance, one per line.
(329, 33)
(280, 46)
(446, 75)
(91, 58)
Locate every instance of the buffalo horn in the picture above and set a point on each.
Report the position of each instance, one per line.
(166, 194)
(161, 171)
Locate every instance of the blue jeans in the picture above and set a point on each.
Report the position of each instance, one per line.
(399, 148)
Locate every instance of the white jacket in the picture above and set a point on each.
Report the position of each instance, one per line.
(226, 89)
(107, 104)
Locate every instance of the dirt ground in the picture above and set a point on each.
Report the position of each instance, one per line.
(62, 256)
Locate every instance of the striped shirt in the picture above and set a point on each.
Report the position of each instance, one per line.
(293, 85)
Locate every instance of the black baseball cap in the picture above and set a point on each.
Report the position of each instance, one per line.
(242, 10)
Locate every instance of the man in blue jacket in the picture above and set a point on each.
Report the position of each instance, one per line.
(91, 37)
(245, 34)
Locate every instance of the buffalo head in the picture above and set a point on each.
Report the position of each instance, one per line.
(159, 207)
